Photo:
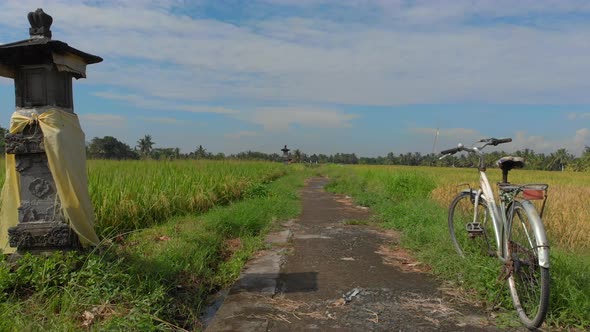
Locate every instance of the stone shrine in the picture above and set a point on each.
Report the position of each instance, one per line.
(42, 70)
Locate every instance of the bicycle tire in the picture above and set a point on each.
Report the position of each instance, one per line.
(528, 281)
(460, 214)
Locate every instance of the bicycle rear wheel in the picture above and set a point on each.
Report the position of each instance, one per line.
(528, 282)
(470, 233)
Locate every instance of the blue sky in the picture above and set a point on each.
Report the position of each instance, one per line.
(359, 76)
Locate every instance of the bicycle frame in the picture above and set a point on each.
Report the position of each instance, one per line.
(498, 213)
(500, 220)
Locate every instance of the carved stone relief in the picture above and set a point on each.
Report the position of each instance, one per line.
(21, 143)
(41, 221)
(27, 213)
(42, 236)
(41, 188)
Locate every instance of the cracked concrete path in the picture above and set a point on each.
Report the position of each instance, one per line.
(300, 287)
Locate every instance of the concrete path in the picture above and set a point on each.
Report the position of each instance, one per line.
(335, 276)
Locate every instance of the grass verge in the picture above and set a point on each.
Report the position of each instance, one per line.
(402, 201)
(154, 279)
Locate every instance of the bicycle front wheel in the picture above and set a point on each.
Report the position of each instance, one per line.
(529, 281)
(471, 228)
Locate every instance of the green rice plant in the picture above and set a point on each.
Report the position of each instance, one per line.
(129, 195)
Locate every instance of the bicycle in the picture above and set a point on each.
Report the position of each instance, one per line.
(512, 231)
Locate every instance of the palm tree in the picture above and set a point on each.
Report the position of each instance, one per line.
(560, 159)
(297, 155)
(200, 152)
(145, 145)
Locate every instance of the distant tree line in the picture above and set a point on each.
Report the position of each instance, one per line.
(109, 147)
(559, 160)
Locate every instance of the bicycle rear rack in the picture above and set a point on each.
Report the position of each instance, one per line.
(531, 192)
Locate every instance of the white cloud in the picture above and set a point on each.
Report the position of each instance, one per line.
(241, 134)
(455, 11)
(582, 139)
(413, 53)
(451, 9)
(160, 120)
(574, 144)
(575, 116)
(108, 120)
(281, 118)
(455, 133)
(447, 138)
(205, 109)
(522, 140)
(154, 103)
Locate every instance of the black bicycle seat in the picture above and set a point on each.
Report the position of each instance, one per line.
(507, 163)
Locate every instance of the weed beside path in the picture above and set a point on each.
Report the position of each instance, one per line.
(401, 197)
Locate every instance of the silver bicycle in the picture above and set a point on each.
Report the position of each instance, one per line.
(509, 228)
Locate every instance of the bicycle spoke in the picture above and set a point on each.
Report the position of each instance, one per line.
(527, 279)
(527, 233)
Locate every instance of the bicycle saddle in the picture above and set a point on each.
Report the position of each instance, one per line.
(507, 163)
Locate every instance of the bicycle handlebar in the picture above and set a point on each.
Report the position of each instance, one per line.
(502, 141)
(450, 151)
(487, 141)
(495, 141)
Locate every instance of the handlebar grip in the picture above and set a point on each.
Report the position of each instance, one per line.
(502, 141)
(450, 151)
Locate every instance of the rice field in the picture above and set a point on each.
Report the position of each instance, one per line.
(129, 195)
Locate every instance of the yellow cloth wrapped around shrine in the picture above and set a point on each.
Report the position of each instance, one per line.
(63, 140)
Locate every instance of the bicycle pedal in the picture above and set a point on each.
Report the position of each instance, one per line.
(474, 229)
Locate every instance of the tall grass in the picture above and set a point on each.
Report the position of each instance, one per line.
(403, 199)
